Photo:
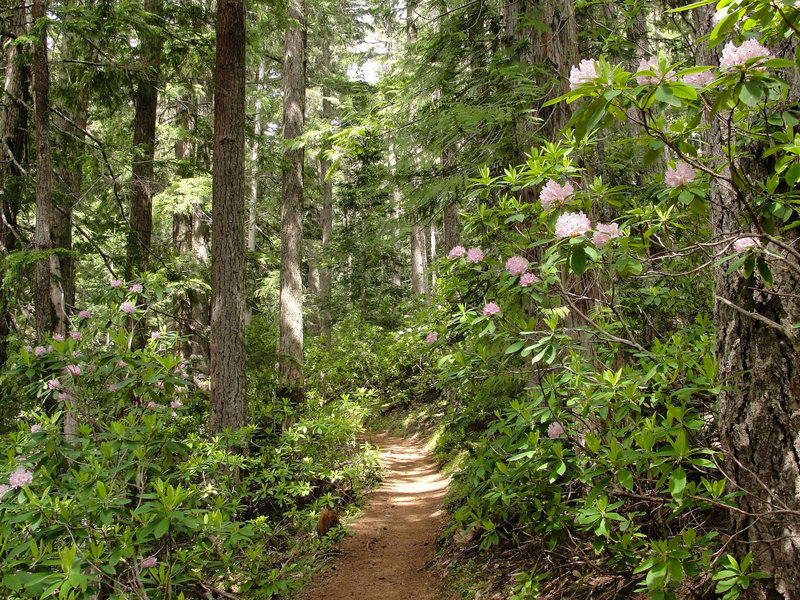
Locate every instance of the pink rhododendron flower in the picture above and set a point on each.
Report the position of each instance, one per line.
(651, 64)
(39, 350)
(151, 405)
(75, 354)
(681, 175)
(4, 489)
(176, 404)
(491, 309)
(735, 56)
(554, 430)
(475, 255)
(53, 384)
(29, 349)
(136, 288)
(456, 252)
(149, 562)
(19, 478)
(62, 397)
(115, 283)
(73, 370)
(554, 195)
(58, 337)
(113, 388)
(604, 233)
(36, 428)
(701, 79)
(432, 338)
(160, 384)
(154, 335)
(572, 224)
(127, 307)
(122, 364)
(516, 265)
(528, 279)
(75, 335)
(583, 72)
(746, 243)
(85, 314)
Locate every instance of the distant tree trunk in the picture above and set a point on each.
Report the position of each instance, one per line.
(144, 141)
(48, 293)
(326, 216)
(13, 136)
(450, 219)
(290, 341)
(419, 278)
(758, 350)
(228, 405)
(432, 260)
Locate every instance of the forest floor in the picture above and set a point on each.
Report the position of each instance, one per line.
(389, 555)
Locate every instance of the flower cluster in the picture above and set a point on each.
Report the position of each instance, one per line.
(681, 175)
(475, 255)
(432, 338)
(516, 265)
(127, 307)
(745, 243)
(554, 194)
(604, 233)
(554, 430)
(19, 478)
(584, 72)
(701, 79)
(491, 309)
(572, 224)
(737, 56)
(456, 252)
(528, 279)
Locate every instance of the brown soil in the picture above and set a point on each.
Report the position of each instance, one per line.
(389, 555)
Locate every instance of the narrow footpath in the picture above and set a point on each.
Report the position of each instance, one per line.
(394, 537)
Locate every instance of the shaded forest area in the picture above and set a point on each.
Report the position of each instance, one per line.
(559, 238)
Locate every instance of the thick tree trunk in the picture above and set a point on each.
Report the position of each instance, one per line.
(759, 364)
(326, 215)
(419, 277)
(228, 406)
(13, 120)
(144, 140)
(48, 293)
(290, 341)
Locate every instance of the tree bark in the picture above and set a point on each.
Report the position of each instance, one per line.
(13, 120)
(290, 340)
(419, 278)
(144, 140)
(228, 406)
(326, 216)
(450, 219)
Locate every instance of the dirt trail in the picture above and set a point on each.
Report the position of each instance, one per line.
(394, 536)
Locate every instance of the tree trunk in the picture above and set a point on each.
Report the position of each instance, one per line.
(13, 120)
(228, 405)
(450, 219)
(419, 278)
(48, 293)
(290, 341)
(758, 350)
(144, 141)
(326, 216)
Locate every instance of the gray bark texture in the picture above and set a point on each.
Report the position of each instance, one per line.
(290, 340)
(419, 277)
(228, 407)
(759, 362)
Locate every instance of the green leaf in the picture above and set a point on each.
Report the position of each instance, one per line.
(625, 479)
(577, 261)
(764, 271)
(751, 92)
(161, 528)
(677, 482)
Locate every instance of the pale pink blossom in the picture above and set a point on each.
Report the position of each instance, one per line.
(651, 64)
(554, 195)
(735, 56)
(516, 265)
(73, 370)
(604, 233)
(701, 79)
(149, 562)
(136, 288)
(58, 337)
(491, 309)
(75, 335)
(583, 72)
(475, 255)
(115, 283)
(29, 349)
(4, 489)
(53, 384)
(19, 478)
(572, 224)
(36, 428)
(39, 350)
(122, 364)
(62, 397)
(745, 243)
(50, 347)
(432, 338)
(681, 175)
(554, 430)
(456, 252)
(154, 335)
(151, 405)
(160, 384)
(113, 388)
(75, 354)
(127, 307)
(528, 279)
(175, 404)
(85, 314)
